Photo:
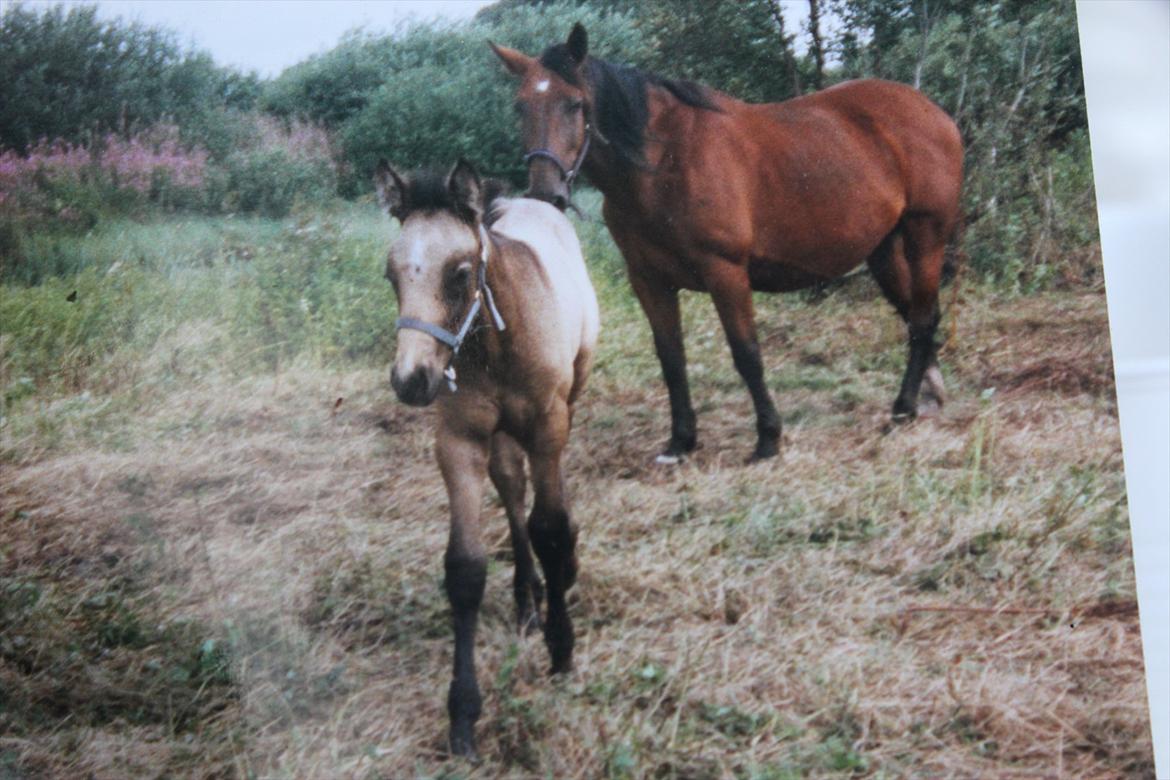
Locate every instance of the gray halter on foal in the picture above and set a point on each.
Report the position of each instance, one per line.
(455, 340)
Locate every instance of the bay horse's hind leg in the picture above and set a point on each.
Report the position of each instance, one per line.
(506, 470)
(553, 534)
(908, 268)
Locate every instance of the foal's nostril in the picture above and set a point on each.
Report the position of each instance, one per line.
(415, 390)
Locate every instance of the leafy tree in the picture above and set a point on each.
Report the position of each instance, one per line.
(65, 74)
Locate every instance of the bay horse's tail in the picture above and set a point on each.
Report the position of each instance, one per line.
(954, 261)
(955, 257)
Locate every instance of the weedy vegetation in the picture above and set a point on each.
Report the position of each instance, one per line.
(223, 538)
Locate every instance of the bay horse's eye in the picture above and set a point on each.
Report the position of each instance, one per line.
(573, 106)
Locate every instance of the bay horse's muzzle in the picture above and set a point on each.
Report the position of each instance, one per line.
(555, 185)
(559, 200)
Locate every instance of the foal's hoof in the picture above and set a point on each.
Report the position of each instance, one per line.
(462, 743)
(904, 411)
(929, 406)
(528, 623)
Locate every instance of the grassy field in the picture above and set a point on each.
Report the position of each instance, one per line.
(222, 537)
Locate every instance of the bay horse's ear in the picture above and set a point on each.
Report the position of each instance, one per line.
(578, 43)
(391, 190)
(516, 62)
(464, 186)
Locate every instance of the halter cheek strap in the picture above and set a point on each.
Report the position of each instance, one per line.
(455, 340)
(567, 174)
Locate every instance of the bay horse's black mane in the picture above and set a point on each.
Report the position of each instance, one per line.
(426, 190)
(620, 108)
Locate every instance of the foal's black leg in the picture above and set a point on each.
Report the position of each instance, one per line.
(464, 582)
(554, 537)
(555, 541)
(507, 472)
(463, 460)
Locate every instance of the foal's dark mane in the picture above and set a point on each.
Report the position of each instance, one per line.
(426, 190)
(620, 106)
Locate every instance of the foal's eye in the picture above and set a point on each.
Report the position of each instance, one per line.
(455, 283)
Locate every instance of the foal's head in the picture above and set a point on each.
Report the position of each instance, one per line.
(432, 265)
(554, 105)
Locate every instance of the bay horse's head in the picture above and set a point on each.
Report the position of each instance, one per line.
(554, 104)
(433, 265)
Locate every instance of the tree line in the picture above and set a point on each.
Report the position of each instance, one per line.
(1008, 71)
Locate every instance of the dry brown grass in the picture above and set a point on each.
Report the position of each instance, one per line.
(954, 598)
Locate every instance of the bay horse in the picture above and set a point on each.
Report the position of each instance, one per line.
(705, 192)
(498, 323)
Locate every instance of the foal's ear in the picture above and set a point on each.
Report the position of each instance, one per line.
(391, 190)
(466, 190)
(578, 43)
(516, 62)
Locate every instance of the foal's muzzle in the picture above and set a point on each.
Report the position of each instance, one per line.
(418, 388)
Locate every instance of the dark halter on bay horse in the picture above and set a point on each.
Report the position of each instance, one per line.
(569, 173)
(708, 193)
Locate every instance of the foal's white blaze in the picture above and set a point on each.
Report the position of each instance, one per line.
(418, 258)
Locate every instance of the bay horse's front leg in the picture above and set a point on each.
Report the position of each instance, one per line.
(660, 303)
(553, 534)
(731, 292)
(463, 460)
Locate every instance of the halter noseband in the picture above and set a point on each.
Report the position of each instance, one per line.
(567, 174)
(455, 340)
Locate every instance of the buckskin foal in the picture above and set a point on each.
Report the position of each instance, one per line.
(498, 321)
(706, 192)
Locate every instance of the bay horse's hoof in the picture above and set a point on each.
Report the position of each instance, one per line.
(669, 459)
(765, 448)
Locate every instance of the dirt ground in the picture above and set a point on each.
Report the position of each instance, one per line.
(243, 576)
